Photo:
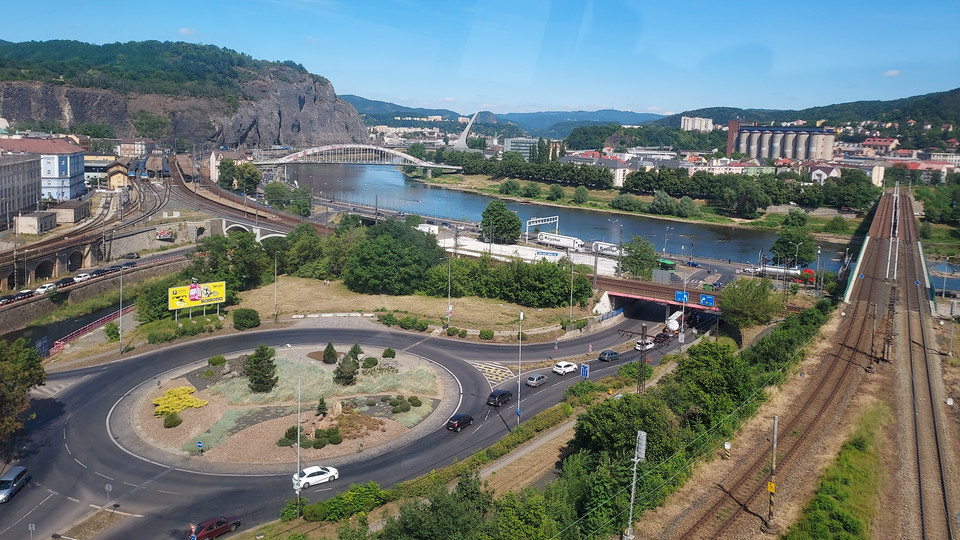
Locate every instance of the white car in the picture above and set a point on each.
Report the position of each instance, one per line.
(45, 288)
(562, 368)
(80, 278)
(314, 475)
(644, 345)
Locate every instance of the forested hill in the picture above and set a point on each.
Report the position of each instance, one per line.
(936, 108)
(150, 67)
(377, 109)
(177, 93)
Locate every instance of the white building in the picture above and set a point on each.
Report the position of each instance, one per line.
(19, 185)
(61, 165)
(695, 123)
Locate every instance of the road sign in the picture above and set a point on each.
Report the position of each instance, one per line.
(585, 371)
(518, 412)
(590, 348)
(706, 300)
(860, 276)
(917, 282)
(200, 444)
(681, 296)
(770, 487)
(547, 254)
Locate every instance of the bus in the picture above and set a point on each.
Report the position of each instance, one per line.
(668, 265)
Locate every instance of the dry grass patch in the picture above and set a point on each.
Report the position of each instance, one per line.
(301, 296)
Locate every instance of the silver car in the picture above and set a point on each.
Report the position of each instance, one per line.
(536, 380)
(11, 482)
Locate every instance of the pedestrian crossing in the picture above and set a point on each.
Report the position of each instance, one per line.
(494, 373)
(49, 390)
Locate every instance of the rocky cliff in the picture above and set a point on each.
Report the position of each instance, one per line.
(279, 106)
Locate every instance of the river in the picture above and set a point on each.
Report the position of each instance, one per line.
(390, 189)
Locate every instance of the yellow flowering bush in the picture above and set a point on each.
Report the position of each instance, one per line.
(176, 400)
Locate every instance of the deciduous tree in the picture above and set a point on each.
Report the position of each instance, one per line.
(747, 302)
(21, 370)
(500, 224)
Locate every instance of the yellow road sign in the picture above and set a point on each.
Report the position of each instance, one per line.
(770, 487)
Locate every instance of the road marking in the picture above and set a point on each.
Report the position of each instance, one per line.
(65, 445)
(52, 491)
(73, 500)
(25, 515)
(113, 511)
(131, 485)
(169, 492)
(494, 373)
(81, 464)
(103, 475)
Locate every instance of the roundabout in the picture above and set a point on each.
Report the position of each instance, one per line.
(84, 437)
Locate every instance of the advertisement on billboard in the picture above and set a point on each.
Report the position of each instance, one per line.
(196, 295)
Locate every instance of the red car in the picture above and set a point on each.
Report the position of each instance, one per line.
(214, 527)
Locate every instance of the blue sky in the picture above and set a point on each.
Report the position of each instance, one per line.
(536, 55)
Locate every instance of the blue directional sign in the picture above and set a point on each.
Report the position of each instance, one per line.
(518, 411)
(585, 370)
(860, 276)
(547, 254)
(199, 444)
(706, 300)
(917, 282)
(681, 296)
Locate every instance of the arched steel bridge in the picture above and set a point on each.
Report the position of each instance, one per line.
(362, 154)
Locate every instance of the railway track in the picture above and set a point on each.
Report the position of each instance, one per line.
(933, 488)
(742, 500)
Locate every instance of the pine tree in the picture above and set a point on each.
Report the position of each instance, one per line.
(321, 407)
(355, 351)
(329, 354)
(261, 370)
(346, 372)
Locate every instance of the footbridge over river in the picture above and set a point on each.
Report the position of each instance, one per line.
(359, 154)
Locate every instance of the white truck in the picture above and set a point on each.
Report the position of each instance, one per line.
(558, 240)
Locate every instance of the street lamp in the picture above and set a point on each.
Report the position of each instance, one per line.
(665, 231)
(620, 243)
(519, 359)
(796, 253)
(299, 362)
(120, 325)
(946, 266)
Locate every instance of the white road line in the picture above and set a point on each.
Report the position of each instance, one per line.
(169, 492)
(112, 511)
(81, 464)
(73, 500)
(131, 485)
(65, 445)
(25, 515)
(103, 475)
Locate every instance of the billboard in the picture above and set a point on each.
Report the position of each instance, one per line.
(196, 295)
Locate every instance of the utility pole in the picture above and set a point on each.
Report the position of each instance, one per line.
(639, 454)
(771, 485)
(643, 359)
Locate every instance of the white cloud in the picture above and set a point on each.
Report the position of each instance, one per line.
(187, 31)
(891, 73)
(449, 99)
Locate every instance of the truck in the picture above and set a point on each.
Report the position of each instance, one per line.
(804, 274)
(558, 240)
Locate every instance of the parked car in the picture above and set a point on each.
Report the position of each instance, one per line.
(216, 526)
(312, 476)
(45, 288)
(23, 295)
(662, 337)
(562, 368)
(6, 299)
(645, 345)
(114, 268)
(499, 397)
(132, 255)
(609, 356)
(459, 421)
(10, 483)
(694, 264)
(99, 272)
(81, 277)
(65, 282)
(128, 265)
(536, 380)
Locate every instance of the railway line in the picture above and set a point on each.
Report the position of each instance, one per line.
(932, 494)
(742, 502)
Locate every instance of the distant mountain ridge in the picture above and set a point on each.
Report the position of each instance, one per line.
(377, 108)
(936, 108)
(536, 123)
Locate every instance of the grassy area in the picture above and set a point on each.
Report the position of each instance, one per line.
(845, 503)
(944, 242)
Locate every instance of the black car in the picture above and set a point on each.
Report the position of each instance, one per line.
(459, 421)
(6, 299)
(499, 397)
(114, 268)
(609, 356)
(99, 272)
(64, 282)
(128, 265)
(23, 295)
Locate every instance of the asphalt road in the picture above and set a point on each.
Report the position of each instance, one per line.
(73, 456)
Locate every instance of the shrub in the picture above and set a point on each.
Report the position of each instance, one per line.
(371, 402)
(407, 322)
(207, 374)
(291, 432)
(334, 436)
(160, 337)
(415, 401)
(389, 353)
(463, 333)
(218, 360)
(176, 400)
(244, 318)
(112, 331)
(289, 512)
(387, 318)
(171, 420)
(370, 362)
(404, 406)
(355, 351)
(321, 407)
(394, 402)
(361, 498)
(486, 334)
(422, 326)
(283, 441)
(451, 331)
(396, 410)
(320, 442)
(329, 354)
(384, 398)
